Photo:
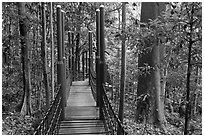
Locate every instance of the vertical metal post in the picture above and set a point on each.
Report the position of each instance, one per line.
(86, 62)
(59, 43)
(78, 64)
(60, 67)
(63, 47)
(64, 58)
(97, 58)
(76, 55)
(90, 55)
(69, 48)
(102, 45)
(63, 52)
(102, 56)
(73, 58)
(83, 69)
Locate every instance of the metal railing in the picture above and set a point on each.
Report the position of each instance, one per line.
(111, 121)
(49, 125)
(93, 83)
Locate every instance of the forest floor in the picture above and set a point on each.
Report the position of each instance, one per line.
(174, 126)
(15, 124)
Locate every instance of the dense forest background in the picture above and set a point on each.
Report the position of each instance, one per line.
(27, 55)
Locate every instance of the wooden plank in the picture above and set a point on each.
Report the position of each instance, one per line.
(81, 113)
(85, 130)
(92, 133)
(81, 125)
(80, 83)
(80, 95)
(88, 108)
(82, 121)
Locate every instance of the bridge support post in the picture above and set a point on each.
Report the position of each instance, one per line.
(60, 64)
(86, 54)
(69, 47)
(102, 58)
(79, 65)
(63, 47)
(77, 37)
(83, 69)
(73, 58)
(90, 55)
(64, 60)
(97, 58)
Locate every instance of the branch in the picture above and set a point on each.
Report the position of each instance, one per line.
(115, 9)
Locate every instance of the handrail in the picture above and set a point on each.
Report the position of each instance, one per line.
(93, 83)
(112, 122)
(49, 125)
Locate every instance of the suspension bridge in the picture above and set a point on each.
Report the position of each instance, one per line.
(81, 105)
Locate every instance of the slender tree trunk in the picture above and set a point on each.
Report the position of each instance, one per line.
(163, 73)
(78, 41)
(150, 105)
(26, 106)
(123, 67)
(187, 114)
(44, 56)
(52, 52)
(39, 93)
(159, 109)
(118, 64)
(194, 110)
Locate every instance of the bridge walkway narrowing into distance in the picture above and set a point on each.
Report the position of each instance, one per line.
(80, 107)
(81, 113)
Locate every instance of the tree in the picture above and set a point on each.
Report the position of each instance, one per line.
(123, 66)
(52, 51)
(23, 28)
(192, 39)
(149, 104)
(44, 57)
(183, 22)
(78, 36)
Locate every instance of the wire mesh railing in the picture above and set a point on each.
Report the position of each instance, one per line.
(111, 121)
(92, 82)
(49, 125)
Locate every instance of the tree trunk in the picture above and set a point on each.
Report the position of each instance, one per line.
(123, 68)
(163, 73)
(26, 104)
(150, 104)
(39, 93)
(190, 42)
(52, 52)
(118, 64)
(78, 41)
(194, 109)
(44, 56)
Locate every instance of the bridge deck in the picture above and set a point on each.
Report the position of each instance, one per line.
(81, 113)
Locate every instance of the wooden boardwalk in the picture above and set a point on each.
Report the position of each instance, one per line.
(81, 113)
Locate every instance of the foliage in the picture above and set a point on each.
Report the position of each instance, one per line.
(16, 124)
(171, 29)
